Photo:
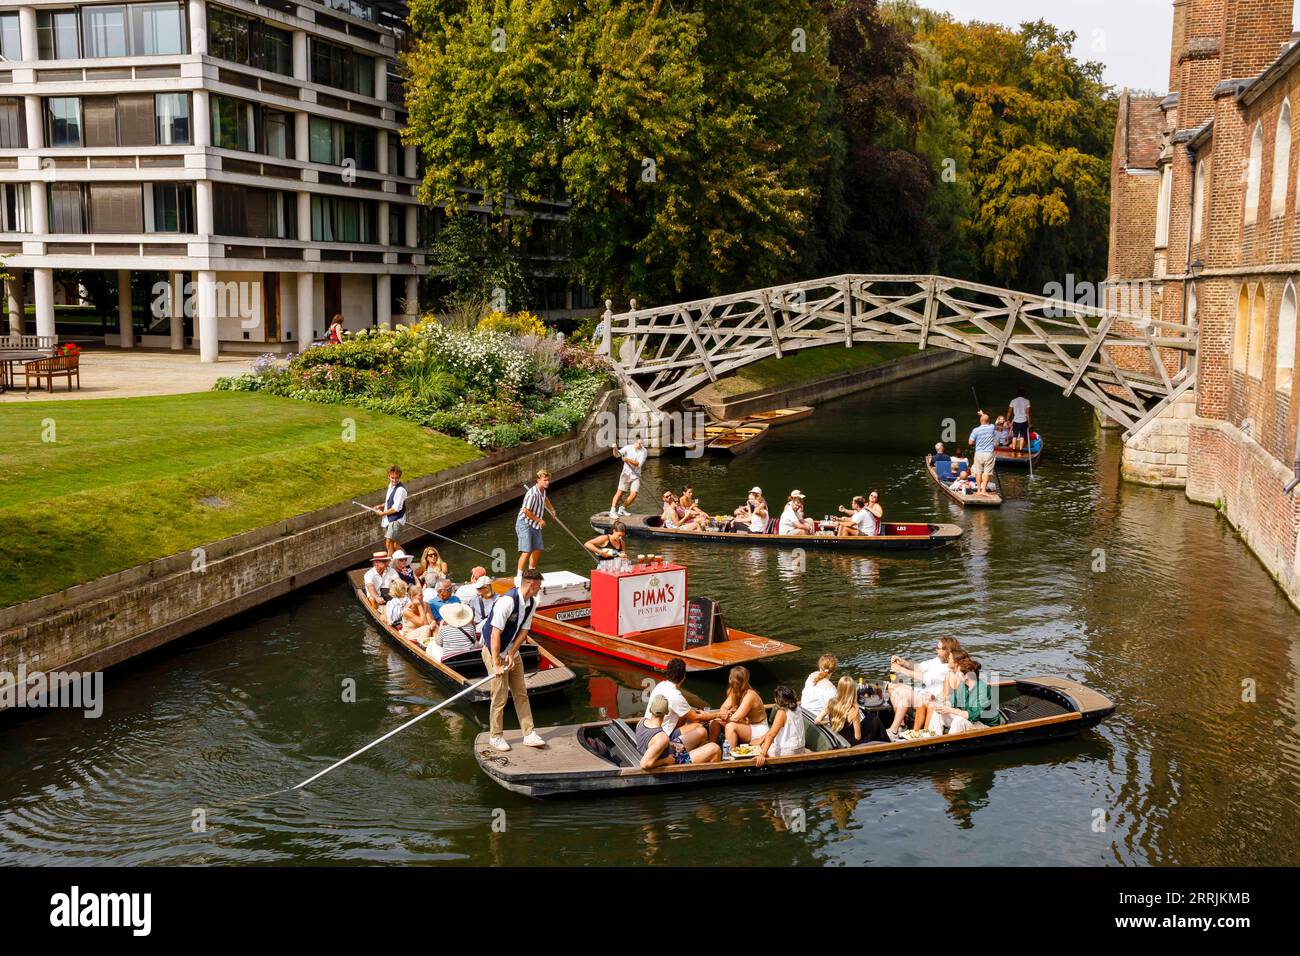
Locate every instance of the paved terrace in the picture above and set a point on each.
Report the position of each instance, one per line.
(115, 373)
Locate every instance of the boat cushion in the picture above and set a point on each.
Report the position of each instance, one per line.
(944, 470)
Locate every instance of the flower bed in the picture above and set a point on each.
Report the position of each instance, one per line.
(493, 388)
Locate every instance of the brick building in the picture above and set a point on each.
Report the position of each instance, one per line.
(1205, 193)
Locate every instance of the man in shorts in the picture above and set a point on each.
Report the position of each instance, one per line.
(983, 439)
(1018, 412)
(392, 513)
(633, 457)
(530, 522)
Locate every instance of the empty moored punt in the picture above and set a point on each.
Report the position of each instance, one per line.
(896, 536)
(601, 757)
(778, 416)
(733, 438)
(544, 672)
(1009, 456)
(990, 499)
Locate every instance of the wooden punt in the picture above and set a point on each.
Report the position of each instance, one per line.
(733, 438)
(778, 416)
(1008, 456)
(569, 623)
(600, 757)
(990, 499)
(544, 672)
(897, 536)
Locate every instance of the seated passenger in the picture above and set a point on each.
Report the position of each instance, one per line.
(612, 544)
(939, 455)
(376, 587)
(431, 568)
(864, 520)
(787, 735)
(845, 717)
(819, 688)
(658, 749)
(924, 684)
(418, 622)
(1002, 432)
(442, 594)
(482, 600)
(676, 517)
(792, 519)
(397, 601)
(743, 711)
(402, 568)
(753, 517)
(688, 501)
(964, 483)
(683, 723)
(969, 706)
(457, 632)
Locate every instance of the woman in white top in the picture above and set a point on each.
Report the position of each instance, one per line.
(397, 602)
(927, 683)
(787, 735)
(758, 517)
(819, 688)
(743, 710)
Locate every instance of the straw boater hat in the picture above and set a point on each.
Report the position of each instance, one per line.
(457, 615)
(379, 556)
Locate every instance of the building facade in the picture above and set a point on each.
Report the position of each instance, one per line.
(238, 165)
(1206, 206)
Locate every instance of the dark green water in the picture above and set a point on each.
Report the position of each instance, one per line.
(1185, 772)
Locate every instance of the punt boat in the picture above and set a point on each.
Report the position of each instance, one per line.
(733, 437)
(1009, 456)
(544, 673)
(601, 757)
(895, 536)
(778, 416)
(990, 499)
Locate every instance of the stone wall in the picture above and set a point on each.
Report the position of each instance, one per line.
(1156, 454)
(103, 622)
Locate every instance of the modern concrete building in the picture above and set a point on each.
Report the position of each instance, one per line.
(237, 164)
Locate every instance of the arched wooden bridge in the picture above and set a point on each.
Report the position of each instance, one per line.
(1127, 366)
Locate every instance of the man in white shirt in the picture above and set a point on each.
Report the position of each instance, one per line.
(633, 457)
(683, 723)
(375, 585)
(792, 519)
(504, 632)
(392, 513)
(1018, 412)
(926, 684)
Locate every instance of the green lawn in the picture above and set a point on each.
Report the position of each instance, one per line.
(806, 366)
(122, 481)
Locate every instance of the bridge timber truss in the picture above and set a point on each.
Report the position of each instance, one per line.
(1127, 366)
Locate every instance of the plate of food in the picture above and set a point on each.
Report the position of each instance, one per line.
(741, 751)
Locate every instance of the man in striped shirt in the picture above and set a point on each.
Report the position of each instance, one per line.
(531, 521)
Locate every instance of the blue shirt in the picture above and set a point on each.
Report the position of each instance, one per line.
(984, 438)
(436, 605)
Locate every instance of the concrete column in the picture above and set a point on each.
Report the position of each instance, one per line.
(27, 33)
(381, 78)
(412, 226)
(176, 318)
(384, 237)
(203, 206)
(300, 65)
(44, 294)
(125, 323)
(304, 217)
(198, 17)
(205, 314)
(40, 208)
(383, 299)
(306, 310)
(302, 137)
(411, 162)
(15, 301)
(413, 299)
(202, 118)
(35, 118)
(381, 150)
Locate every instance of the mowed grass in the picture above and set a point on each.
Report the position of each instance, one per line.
(808, 365)
(122, 480)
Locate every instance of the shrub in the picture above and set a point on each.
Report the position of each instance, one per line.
(516, 323)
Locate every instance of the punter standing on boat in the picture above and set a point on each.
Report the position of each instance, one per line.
(503, 633)
(393, 511)
(531, 521)
(633, 457)
(1019, 413)
(983, 439)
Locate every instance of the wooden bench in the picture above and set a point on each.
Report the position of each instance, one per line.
(60, 366)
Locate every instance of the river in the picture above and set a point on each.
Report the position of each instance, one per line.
(1150, 599)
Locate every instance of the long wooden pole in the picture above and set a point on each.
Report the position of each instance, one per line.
(371, 509)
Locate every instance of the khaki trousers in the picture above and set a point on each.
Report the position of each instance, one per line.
(511, 682)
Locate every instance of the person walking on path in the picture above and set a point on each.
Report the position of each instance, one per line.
(335, 334)
(531, 521)
(633, 457)
(1019, 413)
(392, 513)
(503, 633)
(983, 438)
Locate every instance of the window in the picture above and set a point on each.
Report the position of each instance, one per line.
(1241, 331)
(1162, 210)
(253, 213)
(103, 30)
(117, 208)
(171, 118)
(173, 207)
(1198, 209)
(396, 225)
(56, 35)
(251, 42)
(67, 210)
(13, 123)
(1255, 354)
(334, 143)
(362, 11)
(99, 121)
(231, 123)
(1286, 339)
(1252, 173)
(15, 207)
(63, 117)
(342, 68)
(277, 134)
(11, 46)
(340, 219)
(158, 29)
(1281, 161)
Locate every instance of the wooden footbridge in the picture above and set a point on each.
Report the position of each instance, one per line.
(1127, 366)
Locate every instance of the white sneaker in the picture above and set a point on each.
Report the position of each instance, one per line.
(532, 740)
(623, 512)
(499, 743)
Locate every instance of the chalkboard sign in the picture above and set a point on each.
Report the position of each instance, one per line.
(703, 622)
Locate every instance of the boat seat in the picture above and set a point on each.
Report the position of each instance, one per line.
(944, 470)
(623, 741)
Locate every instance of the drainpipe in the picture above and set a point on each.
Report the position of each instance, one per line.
(1187, 265)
